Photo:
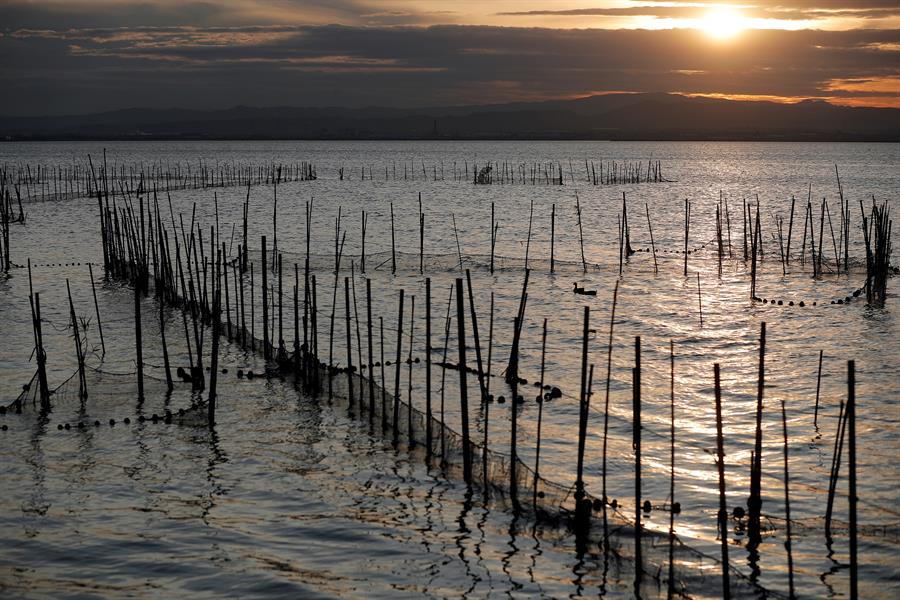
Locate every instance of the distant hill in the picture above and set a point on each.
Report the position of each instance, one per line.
(612, 117)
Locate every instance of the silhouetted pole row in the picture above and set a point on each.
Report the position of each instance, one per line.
(136, 247)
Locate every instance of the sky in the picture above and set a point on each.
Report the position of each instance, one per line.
(79, 56)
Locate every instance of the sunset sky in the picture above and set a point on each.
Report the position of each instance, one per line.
(78, 56)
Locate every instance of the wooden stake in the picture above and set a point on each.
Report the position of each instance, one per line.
(487, 405)
(754, 504)
(687, 226)
(528, 239)
(421, 237)
(444, 373)
(580, 232)
(652, 243)
(393, 245)
(852, 498)
(265, 300)
(349, 342)
(396, 419)
(582, 513)
(429, 433)
(97, 309)
(214, 360)
(612, 321)
(790, 231)
(818, 387)
(787, 505)
(540, 401)
(162, 335)
(79, 355)
(463, 388)
(384, 408)
(720, 464)
(699, 299)
(473, 314)
(552, 236)
(671, 578)
(137, 341)
(409, 362)
(371, 353)
(835, 468)
(636, 427)
(493, 237)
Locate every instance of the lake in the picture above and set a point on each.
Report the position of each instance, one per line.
(292, 494)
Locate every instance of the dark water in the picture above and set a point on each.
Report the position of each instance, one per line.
(290, 496)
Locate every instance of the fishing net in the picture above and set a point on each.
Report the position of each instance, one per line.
(517, 485)
(109, 398)
(405, 422)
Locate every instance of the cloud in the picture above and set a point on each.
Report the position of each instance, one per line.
(71, 70)
(749, 9)
(63, 14)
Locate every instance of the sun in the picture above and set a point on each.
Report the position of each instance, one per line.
(723, 23)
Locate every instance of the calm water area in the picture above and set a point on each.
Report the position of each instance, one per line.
(291, 496)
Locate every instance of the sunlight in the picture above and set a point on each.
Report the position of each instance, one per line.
(723, 23)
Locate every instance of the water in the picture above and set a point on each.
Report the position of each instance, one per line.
(291, 496)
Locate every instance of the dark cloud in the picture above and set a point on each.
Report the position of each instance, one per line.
(64, 14)
(61, 14)
(81, 70)
(792, 12)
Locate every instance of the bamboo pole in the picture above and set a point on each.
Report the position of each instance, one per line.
(670, 580)
(552, 235)
(138, 345)
(687, 224)
(395, 424)
(787, 505)
(528, 239)
(214, 361)
(393, 244)
(97, 309)
(755, 502)
(463, 388)
(851, 492)
(165, 349)
(652, 243)
(371, 353)
(580, 232)
(720, 464)
(835, 468)
(582, 515)
(349, 343)
(265, 301)
(612, 321)
(473, 315)
(421, 237)
(790, 231)
(699, 299)
(444, 374)
(487, 405)
(818, 387)
(636, 442)
(540, 401)
(429, 433)
(79, 353)
(409, 362)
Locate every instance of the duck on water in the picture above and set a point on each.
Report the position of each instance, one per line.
(584, 292)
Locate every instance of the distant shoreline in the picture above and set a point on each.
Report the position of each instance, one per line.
(892, 139)
(612, 117)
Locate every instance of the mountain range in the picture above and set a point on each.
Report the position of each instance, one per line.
(648, 116)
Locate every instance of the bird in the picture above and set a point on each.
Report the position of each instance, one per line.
(584, 292)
